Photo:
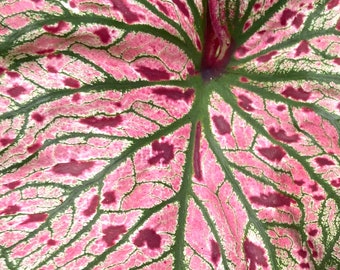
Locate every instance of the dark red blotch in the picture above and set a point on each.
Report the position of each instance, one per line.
(40, 217)
(55, 29)
(282, 136)
(38, 117)
(254, 254)
(302, 48)
(298, 20)
(153, 74)
(165, 152)
(51, 242)
(324, 161)
(286, 15)
(70, 82)
(265, 58)
(273, 153)
(91, 209)
(221, 125)
(273, 199)
(13, 74)
(111, 233)
(102, 122)
(302, 253)
(74, 167)
(335, 183)
(304, 265)
(332, 4)
(215, 252)
(109, 197)
(16, 91)
(128, 15)
(10, 210)
(197, 153)
(13, 185)
(298, 94)
(103, 34)
(33, 148)
(245, 103)
(181, 6)
(174, 93)
(148, 237)
(6, 141)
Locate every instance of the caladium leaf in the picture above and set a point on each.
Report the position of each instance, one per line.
(169, 134)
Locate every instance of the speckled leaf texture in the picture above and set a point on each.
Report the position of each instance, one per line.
(180, 134)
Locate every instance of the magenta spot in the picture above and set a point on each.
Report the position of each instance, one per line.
(73, 83)
(282, 136)
(102, 122)
(261, 32)
(165, 151)
(57, 55)
(111, 233)
(221, 125)
(272, 200)
(299, 182)
(51, 242)
(12, 185)
(16, 91)
(281, 108)
(103, 34)
(337, 27)
(286, 15)
(197, 153)
(332, 4)
(307, 110)
(118, 104)
(215, 252)
(298, 20)
(273, 153)
(257, 6)
(72, 4)
(74, 167)
(314, 187)
(324, 161)
(2, 70)
(338, 107)
(336, 61)
(6, 141)
(33, 148)
(245, 103)
(40, 217)
(318, 197)
(55, 29)
(36, 1)
(315, 254)
(148, 237)
(13, 74)
(313, 232)
(46, 51)
(270, 39)
(38, 117)
(123, 8)
(335, 183)
(310, 244)
(10, 210)
(254, 254)
(265, 58)
(302, 253)
(304, 265)
(298, 94)
(174, 93)
(242, 50)
(302, 48)
(92, 208)
(76, 97)
(182, 8)
(109, 197)
(153, 74)
(163, 8)
(52, 69)
(244, 79)
(246, 25)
